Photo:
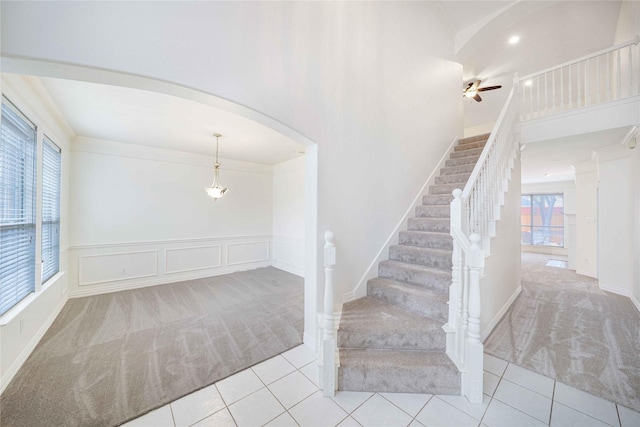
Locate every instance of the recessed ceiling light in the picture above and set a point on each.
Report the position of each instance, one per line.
(514, 39)
(528, 82)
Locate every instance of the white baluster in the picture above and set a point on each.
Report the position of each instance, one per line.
(570, 87)
(630, 71)
(608, 78)
(619, 82)
(597, 79)
(329, 340)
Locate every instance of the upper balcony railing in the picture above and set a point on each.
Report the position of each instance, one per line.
(608, 75)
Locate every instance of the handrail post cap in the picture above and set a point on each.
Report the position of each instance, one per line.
(457, 193)
(328, 236)
(475, 238)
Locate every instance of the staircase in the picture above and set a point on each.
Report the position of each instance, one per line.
(392, 340)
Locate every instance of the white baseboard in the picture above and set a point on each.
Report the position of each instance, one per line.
(12, 370)
(492, 324)
(310, 341)
(85, 291)
(620, 291)
(289, 268)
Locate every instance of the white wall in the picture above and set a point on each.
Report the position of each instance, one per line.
(501, 284)
(616, 207)
(586, 218)
(22, 327)
(373, 83)
(140, 216)
(288, 216)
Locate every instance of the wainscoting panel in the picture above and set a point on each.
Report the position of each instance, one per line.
(181, 260)
(97, 269)
(246, 253)
(103, 268)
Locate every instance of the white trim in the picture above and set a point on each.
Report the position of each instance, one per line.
(635, 302)
(12, 370)
(178, 277)
(166, 251)
(492, 324)
(622, 292)
(164, 242)
(309, 341)
(80, 258)
(372, 272)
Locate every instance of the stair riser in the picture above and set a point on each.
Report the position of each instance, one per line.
(455, 170)
(430, 340)
(475, 138)
(444, 188)
(465, 153)
(425, 306)
(423, 279)
(429, 224)
(472, 160)
(435, 240)
(398, 379)
(457, 178)
(421, 256)
(469, 146)
(437, 199)
(433, 211)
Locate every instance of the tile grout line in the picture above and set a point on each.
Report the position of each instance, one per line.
(553, 400)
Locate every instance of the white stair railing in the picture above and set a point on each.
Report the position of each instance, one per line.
(474, 212)
(328, 366)
(608, 75)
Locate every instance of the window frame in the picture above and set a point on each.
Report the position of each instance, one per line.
(531, 226)
(21, 280)
(50, 217)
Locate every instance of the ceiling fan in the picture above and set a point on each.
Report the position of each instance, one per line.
(471, 91)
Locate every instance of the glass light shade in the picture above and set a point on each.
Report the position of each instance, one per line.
(471, 93)
(216, 191)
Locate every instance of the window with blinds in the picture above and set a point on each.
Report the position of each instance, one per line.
(17, 206)
(50, 209)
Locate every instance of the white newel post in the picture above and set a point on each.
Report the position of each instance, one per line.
(474, 347)
(329, 338)
(452, 327)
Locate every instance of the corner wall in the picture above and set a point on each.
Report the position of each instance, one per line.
(501, 284)
(288, 216)
(22, 327)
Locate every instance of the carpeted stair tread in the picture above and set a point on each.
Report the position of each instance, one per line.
(444, 188)
(466, 153)
(419, 275)
(398, 372)
(427, 302)
(454, 170)
(426, 239)
(372, 323)
(470, 160)
(471, 139)
(433, 211)
(437, 199)
(470, 145)
(457, 178)
(430, 257)
(437, 225)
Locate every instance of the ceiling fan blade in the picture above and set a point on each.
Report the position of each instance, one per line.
(477, 98)
(469, 86)
(482, 89)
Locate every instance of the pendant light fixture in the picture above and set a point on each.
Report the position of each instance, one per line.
(216, 191)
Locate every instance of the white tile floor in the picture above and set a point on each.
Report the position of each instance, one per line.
(282, 391)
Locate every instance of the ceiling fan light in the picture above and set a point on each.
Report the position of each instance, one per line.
(471, 93)
(514, 39)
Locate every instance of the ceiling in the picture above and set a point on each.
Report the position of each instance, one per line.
(551, 32)
(142, 117)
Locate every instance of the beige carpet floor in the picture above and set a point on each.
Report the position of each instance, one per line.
(110, 358)
(565, 327)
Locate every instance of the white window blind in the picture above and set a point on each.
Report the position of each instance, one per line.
(17, 207)
(50, 209)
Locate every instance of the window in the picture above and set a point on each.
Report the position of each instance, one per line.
(17, 206)
(50, 209)
(542, 219)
